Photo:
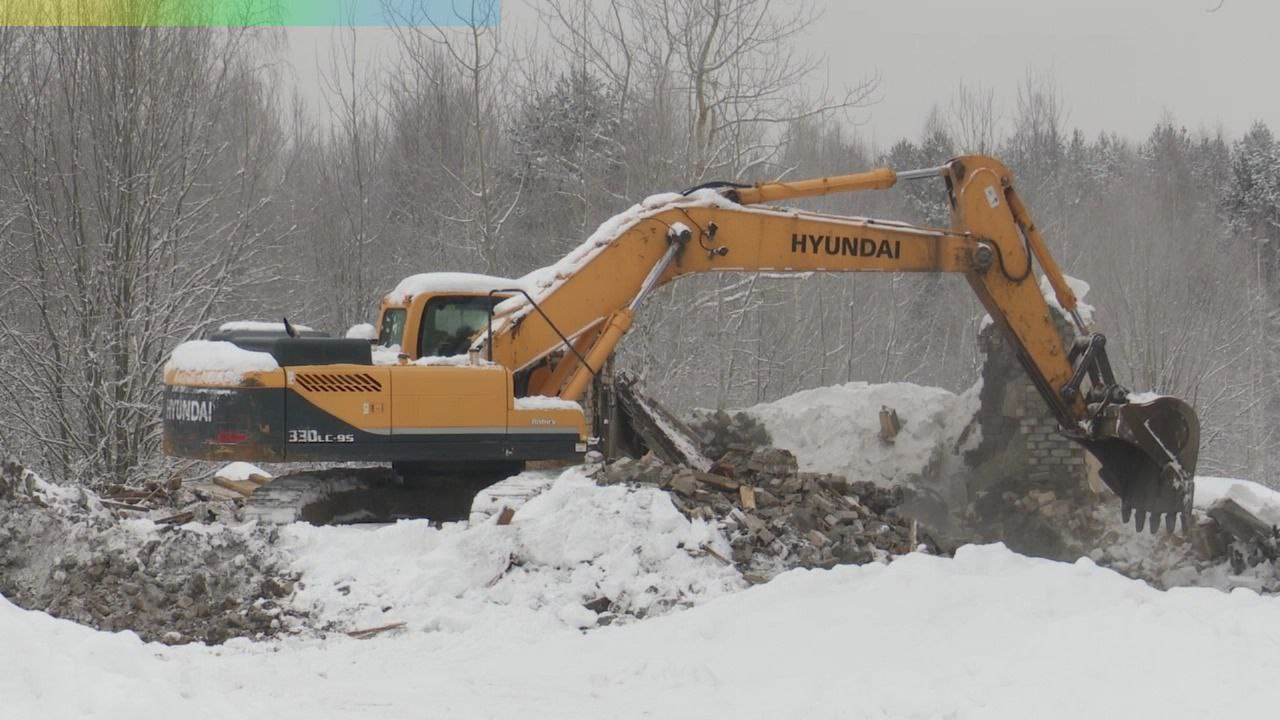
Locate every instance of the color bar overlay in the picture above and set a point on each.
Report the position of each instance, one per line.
(235, 13)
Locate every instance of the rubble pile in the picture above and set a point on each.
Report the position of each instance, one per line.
(79, 556)
(1059, 520)
(776, 517)
(717, 431)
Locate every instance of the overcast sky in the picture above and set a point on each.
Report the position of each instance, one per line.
(1119, 64)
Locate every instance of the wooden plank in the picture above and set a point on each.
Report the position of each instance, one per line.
(214, 491)
(181, 518)
(244, 487)
(719, 481)
(259, 479)
(708, 550)
(370, 632)
(747, 495)
(505, 515)
(889, 424)
(125, 506)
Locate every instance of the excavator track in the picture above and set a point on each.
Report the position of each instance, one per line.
(342, 496)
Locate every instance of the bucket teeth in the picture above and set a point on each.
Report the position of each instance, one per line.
(1126, 512)
(1141, 520)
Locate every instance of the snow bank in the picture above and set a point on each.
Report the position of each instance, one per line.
(837, 429)
(989, 635)
(362, 331)
(629, 550)
(219, 360)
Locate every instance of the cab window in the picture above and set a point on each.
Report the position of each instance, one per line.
(449, 323)
(391, 334)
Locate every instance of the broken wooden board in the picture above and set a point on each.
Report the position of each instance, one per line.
(505, 515)
(365, 633)
(662, 433)
(243, 487)
(720, 481)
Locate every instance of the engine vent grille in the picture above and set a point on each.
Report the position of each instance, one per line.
(338, 382)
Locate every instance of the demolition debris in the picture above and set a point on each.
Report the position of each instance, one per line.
(95, 560)
(776, 517)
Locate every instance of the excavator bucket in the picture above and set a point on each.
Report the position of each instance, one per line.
(1148, 453)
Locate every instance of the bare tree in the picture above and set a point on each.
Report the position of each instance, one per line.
(974, 118)
(137, 165)
(340, 193)
(471, 50)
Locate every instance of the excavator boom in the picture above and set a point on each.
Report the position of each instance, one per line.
(1147, 450)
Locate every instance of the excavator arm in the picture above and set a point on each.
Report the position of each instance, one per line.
(580, 308)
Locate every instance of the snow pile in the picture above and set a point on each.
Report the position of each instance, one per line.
(837, 429)
(63, 550)
(383, 355)
(1079, 288)
(1260, 500)
(543, 281)
(575, 556)
(218, 361)
(362, 331)
(240, 471)
(987, 636)
(544, 402)
(448, 282)
(454, 361)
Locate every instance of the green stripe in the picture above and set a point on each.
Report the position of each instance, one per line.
(236, 13)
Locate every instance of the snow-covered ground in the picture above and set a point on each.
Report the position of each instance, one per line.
(989, 634)
(607, 602)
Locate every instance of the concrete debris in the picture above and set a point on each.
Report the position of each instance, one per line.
(717, 431)
(1239, 523)
(777, 518)
(84, 557)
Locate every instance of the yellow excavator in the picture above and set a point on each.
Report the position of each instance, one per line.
(471, 376)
